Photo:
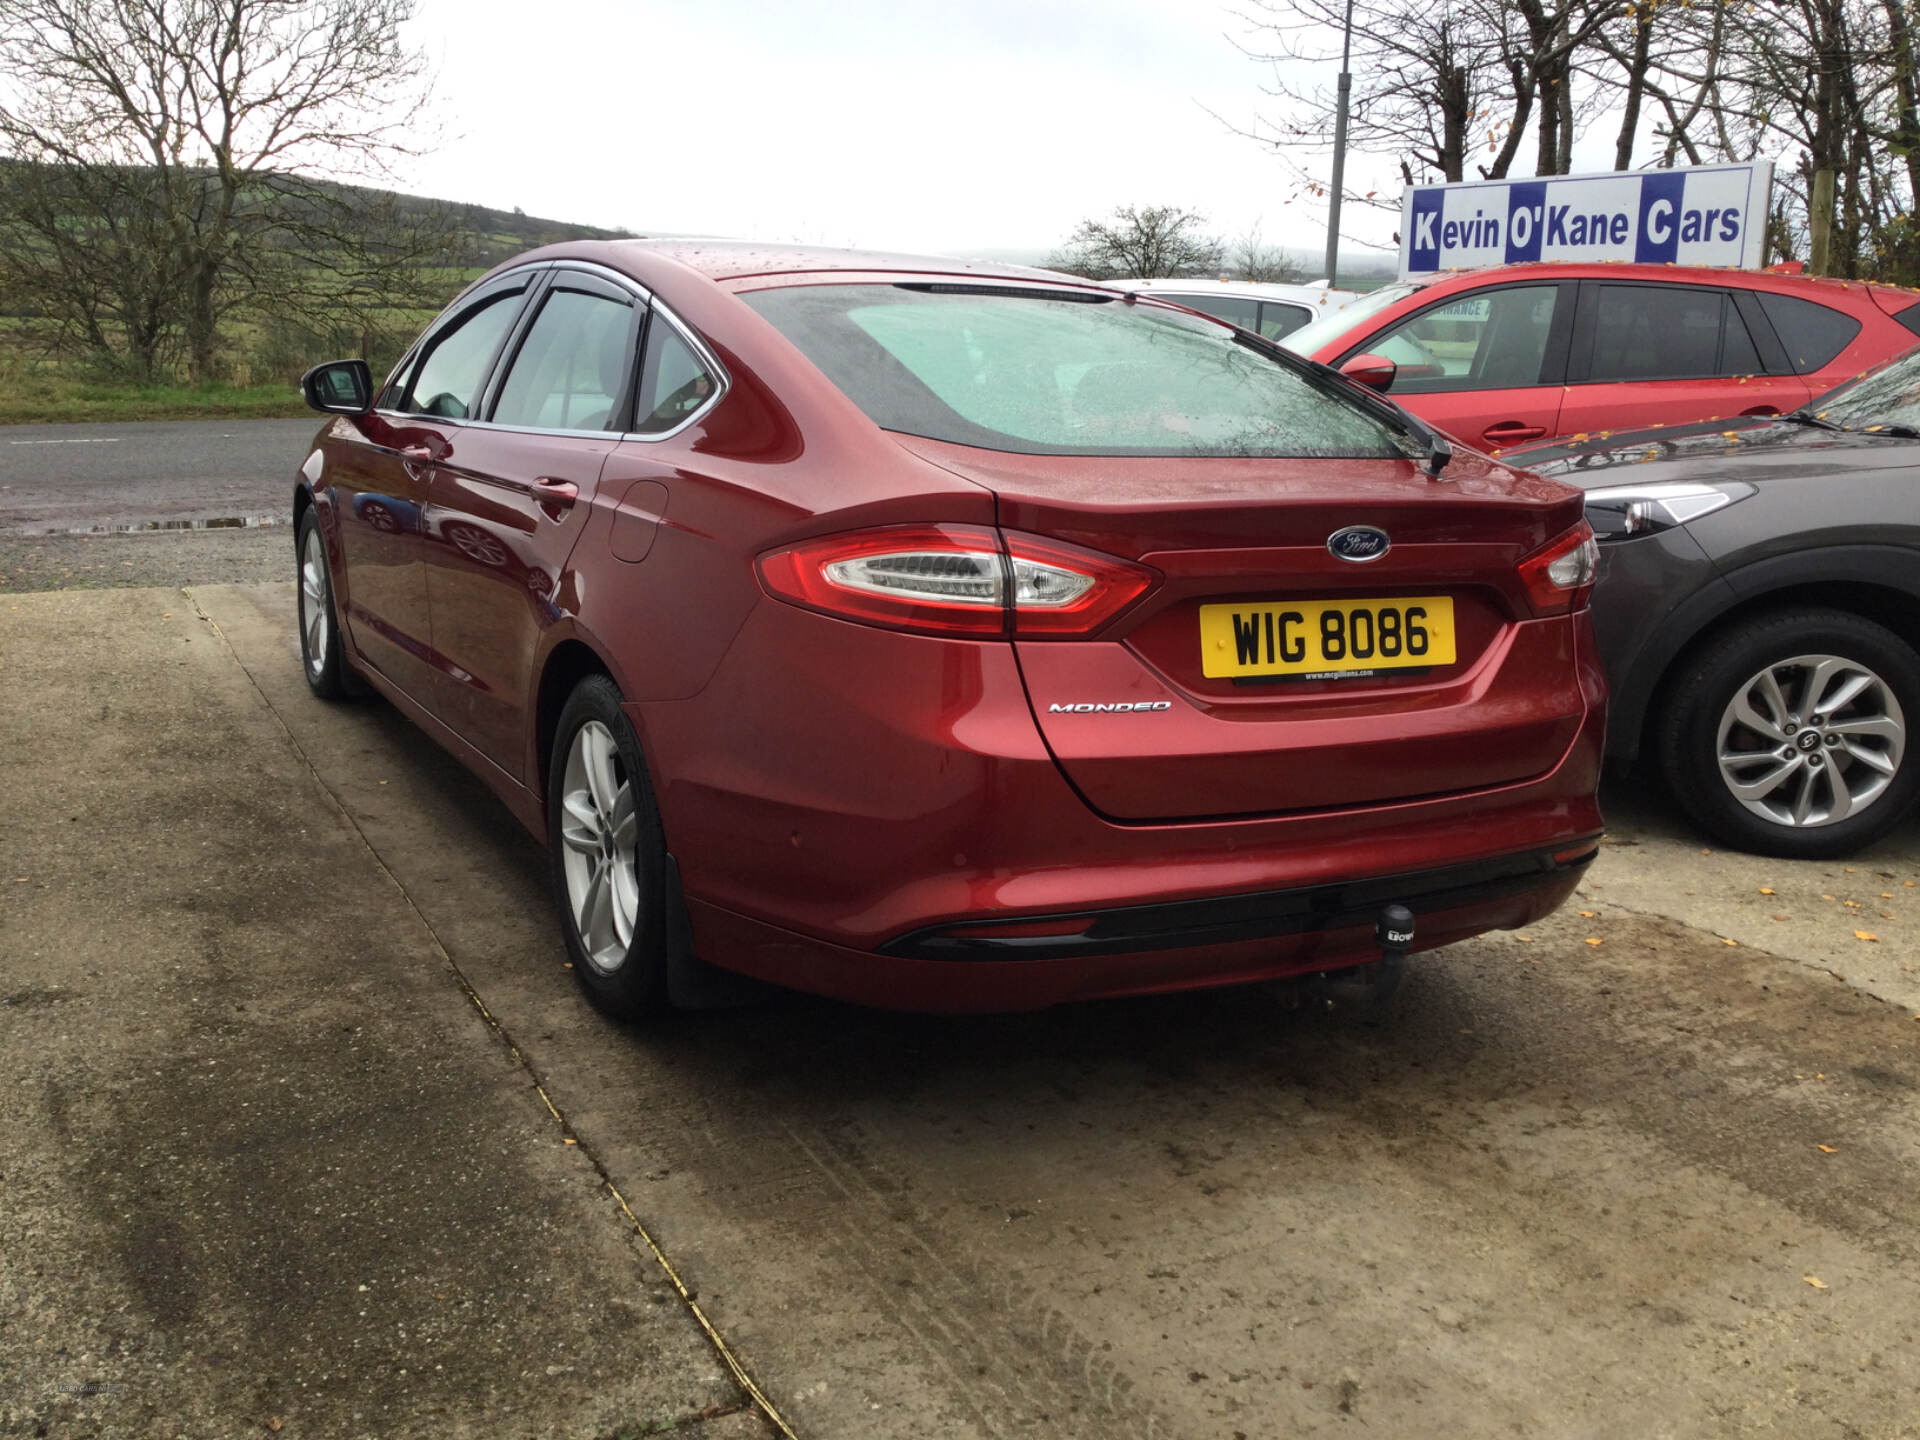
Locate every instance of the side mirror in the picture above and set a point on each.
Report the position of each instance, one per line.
(1376, 372)
(339, 387)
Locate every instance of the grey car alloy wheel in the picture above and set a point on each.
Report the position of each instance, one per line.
(1811, 740)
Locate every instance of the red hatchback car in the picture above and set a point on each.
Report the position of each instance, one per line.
(944, 636)
(1522, 353)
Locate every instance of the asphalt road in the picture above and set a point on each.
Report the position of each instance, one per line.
(159, 503)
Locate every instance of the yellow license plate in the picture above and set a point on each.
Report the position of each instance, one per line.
(1326, 637)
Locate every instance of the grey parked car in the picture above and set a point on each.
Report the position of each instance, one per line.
(1758, 610)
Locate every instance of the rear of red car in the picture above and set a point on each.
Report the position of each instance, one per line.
(1155, 695)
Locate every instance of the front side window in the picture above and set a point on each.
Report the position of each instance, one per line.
(1656, 332)
(447, 383)
(1495, 340)
(571, 370)
(1051, 373)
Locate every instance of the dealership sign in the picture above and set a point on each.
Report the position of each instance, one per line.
(1701, 215)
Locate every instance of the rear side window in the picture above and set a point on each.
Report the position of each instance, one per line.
(571, 369)
(1028, 372)
(448, 381)
(674, 381)
(1910, 317)
(1278, 321)
(1494, 340)
(1813, 334)
(1234, 309)
(1656, 332)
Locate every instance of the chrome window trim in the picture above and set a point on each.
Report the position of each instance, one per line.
(723, 381)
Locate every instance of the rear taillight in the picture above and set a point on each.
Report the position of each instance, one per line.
(956, 580)
(1559, 576)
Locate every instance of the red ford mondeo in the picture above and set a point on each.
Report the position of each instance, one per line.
(944, 636)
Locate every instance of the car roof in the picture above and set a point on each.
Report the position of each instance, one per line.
(1631, 270)
(738, 259)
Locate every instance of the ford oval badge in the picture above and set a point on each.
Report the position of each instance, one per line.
(1359, 543)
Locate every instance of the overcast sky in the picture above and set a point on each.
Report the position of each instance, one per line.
(956, 126)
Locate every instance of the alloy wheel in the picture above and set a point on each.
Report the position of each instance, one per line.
(599, 829)
(1811, 740)
(313, 600)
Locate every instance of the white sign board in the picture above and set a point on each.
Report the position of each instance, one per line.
(1701, 215)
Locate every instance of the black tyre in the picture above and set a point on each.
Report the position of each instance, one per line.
(1787, 734)
(608, 854)
(325, 663)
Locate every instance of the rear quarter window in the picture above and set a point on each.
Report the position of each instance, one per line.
(1812, 334)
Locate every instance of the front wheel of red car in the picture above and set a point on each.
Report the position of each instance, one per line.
(608, 854)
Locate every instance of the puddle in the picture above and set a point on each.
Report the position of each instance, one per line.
(154, 527)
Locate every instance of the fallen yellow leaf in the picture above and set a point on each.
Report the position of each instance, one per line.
(1725, 941)
(1886, 894)
(1827, 1150)
(1589, 914)
(1865, 935)
(1593, 940)
(1815, 1281)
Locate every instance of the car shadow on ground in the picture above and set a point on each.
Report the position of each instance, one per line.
(1454, 1002)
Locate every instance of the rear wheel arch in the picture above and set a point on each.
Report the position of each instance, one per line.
(570, 661)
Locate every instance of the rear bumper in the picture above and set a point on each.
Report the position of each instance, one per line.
(832, 810)
(1138, 950)
(1229, 919)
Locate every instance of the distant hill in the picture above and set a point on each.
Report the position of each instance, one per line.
(496, 235)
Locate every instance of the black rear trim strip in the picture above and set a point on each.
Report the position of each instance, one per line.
(1218, 920)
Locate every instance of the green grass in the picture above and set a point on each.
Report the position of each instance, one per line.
(49, 398)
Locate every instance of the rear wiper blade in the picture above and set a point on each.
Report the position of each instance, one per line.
(1899, 432)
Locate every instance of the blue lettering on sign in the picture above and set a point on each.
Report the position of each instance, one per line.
(1660, 201)
(1525, 221)
(1424, 250)
(1655, 217)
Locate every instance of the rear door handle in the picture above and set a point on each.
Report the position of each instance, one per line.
(1508, 432)
(555, 497)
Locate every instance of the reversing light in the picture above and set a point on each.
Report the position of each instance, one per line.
(956, 580)
(1559, 576)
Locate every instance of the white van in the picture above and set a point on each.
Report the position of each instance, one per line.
(1271, 311)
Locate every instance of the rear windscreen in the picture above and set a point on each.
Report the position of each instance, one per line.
(1053, 373)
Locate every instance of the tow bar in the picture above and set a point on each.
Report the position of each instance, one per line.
(1366, 991)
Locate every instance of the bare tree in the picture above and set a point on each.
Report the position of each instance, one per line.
(1143, 242)
(1425, 83)
(204, 110)
(1251, 258)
